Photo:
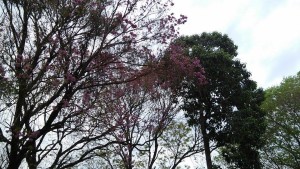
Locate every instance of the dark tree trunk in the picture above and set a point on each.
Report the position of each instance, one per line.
(206, 144)
(31, 157)
(14, 162)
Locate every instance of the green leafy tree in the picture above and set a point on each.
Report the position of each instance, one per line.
(227, 106)
(283, 130)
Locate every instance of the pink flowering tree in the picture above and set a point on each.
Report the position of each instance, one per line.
(61, 61)
(149, 132)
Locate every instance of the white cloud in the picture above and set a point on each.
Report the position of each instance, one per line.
(270, 37)
(265, 32)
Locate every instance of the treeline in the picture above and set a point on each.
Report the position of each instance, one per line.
(111, 84)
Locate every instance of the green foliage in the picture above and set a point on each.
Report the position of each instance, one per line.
(245, 134)
(283, 131)
(227, 106)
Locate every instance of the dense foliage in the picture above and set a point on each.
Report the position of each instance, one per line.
(227, 106)
(283, 130)
(89, 83)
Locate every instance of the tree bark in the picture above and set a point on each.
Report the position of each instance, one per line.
(31, 156)
(14, 163)
(206, 144)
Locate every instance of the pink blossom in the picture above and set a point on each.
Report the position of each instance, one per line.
(34, 134)
(119, 93)
(65, 103)
(70, 78)
(133, 34)
(62, 52)
(27, 67)
(78, 2)
(133, 25)
(55, 82)
(86, 98)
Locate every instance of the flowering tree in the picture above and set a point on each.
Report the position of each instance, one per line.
(59, 61)
(148, 131)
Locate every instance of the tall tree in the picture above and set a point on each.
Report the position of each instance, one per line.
(283, 124)
(227, 103)
(60, 59)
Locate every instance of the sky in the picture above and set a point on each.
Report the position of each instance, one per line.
(267, 32)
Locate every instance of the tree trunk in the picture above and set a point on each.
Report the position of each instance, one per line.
(31, 156)
(206, 144)
(14, 162)
(14, 155)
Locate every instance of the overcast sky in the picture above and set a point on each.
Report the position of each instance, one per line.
(267, 32)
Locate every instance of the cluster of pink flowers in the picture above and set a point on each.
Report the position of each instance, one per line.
(69, 78)
(190, 67)
(86, 98)
(78, 2)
